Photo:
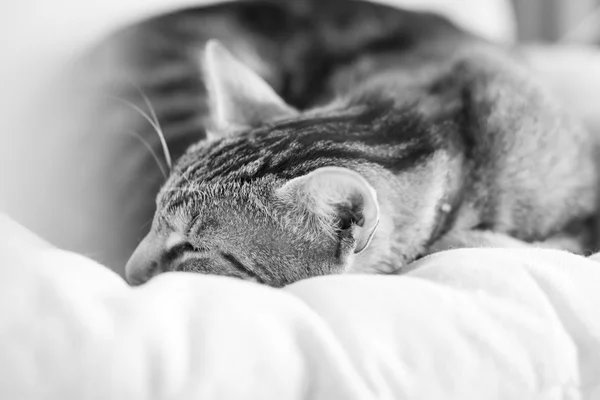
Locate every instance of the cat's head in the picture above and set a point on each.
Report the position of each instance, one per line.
(273, 195)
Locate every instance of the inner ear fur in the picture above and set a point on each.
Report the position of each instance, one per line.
(340, 199)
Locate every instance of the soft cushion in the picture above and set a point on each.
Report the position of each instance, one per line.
(466, 324)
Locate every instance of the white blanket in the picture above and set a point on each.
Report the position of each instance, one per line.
(468, 324)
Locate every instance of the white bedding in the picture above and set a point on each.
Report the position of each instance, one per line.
(468, 324)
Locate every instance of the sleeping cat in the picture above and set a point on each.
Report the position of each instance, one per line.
(451, 143)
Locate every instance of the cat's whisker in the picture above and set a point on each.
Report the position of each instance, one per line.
(186, 179)
(159, 130)
(152, 152)
(146, 224)
(153, 123)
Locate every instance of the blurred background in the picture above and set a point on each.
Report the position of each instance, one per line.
(551, 21)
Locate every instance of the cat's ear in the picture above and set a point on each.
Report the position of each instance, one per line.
(338, 197)
(238, 98)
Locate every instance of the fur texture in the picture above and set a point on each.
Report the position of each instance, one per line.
(448, 136)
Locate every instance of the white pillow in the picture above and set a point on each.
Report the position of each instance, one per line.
(467, 324)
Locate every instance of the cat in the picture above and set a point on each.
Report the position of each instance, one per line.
(304, 49)
(450, 142)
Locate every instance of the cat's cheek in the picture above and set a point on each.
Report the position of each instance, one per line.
(346, 259)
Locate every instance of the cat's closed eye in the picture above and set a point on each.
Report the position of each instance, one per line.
(178, 251)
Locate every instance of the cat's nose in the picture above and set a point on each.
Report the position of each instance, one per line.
(145, 262)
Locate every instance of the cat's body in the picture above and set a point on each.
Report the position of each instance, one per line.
(420, 140)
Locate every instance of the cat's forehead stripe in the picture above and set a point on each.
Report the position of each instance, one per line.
(183, 202)
(393, 139)
(397, 142)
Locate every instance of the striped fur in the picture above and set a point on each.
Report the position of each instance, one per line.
(306, 50)
(455, 144)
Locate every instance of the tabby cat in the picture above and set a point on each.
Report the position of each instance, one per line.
(426, 140)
